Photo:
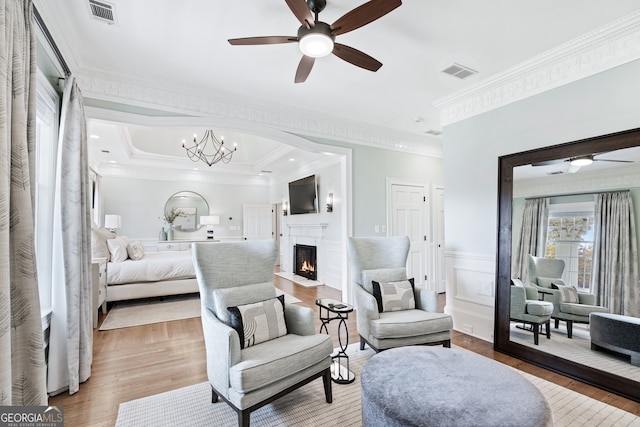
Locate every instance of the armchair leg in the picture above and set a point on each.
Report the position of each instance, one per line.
(556, 323)
(362, 342)
(214, 396)
(536, 332)
(447, 344)
(569, 328)
(326, 381)
(547, 325)
(244, 418)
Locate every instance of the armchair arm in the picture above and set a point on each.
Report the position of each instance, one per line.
(426, 300)
(222, 349)
(299, 319)
(531, 293)
(518, 301)
(366, 310)
(587, 299)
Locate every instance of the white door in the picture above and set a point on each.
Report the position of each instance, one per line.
(408, 207)
(440, 278)
(256, 222)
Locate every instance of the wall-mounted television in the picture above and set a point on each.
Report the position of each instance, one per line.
(303, 196)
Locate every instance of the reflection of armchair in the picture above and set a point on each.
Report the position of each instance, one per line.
(568, 304)
(270, 359)
(384, 260)
(526, 308)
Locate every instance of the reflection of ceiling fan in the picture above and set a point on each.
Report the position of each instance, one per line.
(577, 162)
(316, 38)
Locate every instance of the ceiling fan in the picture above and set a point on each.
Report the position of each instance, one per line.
(575, 163)
(317, 39)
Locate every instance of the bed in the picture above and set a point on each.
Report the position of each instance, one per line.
(132, 273)
(155, 274)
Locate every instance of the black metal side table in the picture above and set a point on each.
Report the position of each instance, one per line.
(330, 310)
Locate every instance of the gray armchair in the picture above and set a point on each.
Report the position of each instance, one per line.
(384, 260)
(543, 274)
(247, 373)
(526, 308)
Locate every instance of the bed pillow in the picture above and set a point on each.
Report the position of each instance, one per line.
(568, 293)
(546, 282)
(135, 250)
(99, 248)
(117, 249)
(258, 322)
(394, 296)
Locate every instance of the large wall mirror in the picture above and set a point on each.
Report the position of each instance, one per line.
(624, 378)
(189, 207)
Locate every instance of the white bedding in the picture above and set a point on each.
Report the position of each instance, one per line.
(153, 267)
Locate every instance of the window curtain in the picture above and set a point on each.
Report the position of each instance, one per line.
(615, 258)
(532, 236)
(22, 365)
(71, 342)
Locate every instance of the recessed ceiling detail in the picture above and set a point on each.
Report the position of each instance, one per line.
(102, 11)
(459, 71)
(433, 132)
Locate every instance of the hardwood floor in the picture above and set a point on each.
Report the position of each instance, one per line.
(141, 361)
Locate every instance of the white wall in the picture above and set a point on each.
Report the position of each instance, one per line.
(141, 202)
(601, 104)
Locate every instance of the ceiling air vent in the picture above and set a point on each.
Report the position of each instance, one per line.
(459, 71)
(433, 132)
(102, 11)
(555, 173)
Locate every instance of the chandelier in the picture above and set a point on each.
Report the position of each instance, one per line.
(209, 150)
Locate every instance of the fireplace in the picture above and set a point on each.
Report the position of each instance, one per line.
(304, 261)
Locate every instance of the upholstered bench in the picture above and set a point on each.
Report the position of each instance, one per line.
(617, 333)
(438, 386)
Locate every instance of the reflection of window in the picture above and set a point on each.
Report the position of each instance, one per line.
(46, 148)
(570, 238)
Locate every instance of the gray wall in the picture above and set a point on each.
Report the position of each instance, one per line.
(601, 104)
(371, 167)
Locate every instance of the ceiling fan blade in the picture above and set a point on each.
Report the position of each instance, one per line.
(355, 57)
(617, 161)
(549, 162)
(304, 68)
(363, 15)
(263, 40)
(301, 10)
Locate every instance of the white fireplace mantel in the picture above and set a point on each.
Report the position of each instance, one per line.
(309, 230)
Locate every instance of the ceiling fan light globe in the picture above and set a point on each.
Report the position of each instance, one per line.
(316, 45)
(581, 161)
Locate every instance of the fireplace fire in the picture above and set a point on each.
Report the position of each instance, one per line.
(304, 261)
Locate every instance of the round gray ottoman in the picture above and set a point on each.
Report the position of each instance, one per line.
(438, 386)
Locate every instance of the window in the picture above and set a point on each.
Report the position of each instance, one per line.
(570, 238)
(46, 149)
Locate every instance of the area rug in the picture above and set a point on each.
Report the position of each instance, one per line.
(577, 348)
(126, 314)
(191, 406)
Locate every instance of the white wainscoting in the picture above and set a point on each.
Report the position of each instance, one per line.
(471, 292)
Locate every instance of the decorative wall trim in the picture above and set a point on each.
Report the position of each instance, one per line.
(580, 182)
(599, 50)
(471, 292)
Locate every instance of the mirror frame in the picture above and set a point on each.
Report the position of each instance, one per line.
(198, 225)
(605, 380)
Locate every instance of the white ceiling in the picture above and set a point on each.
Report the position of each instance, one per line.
(183, 46)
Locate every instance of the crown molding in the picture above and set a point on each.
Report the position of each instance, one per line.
(187, 100)
(580, 182)
(599, 50)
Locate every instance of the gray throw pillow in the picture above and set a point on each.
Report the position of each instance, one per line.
(568, 294)
(394, 296)
(259, 322)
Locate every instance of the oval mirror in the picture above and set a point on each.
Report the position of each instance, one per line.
(185, 208)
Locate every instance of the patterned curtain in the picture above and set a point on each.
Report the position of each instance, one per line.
(532, 236)
(22, 366)
(615, 257)
(71, 339)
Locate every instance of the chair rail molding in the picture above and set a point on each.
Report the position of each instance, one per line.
(599, 50)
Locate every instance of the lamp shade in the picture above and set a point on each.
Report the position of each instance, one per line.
(112, 221)
(210, 220)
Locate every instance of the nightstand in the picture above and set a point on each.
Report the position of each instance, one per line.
(98, 286)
